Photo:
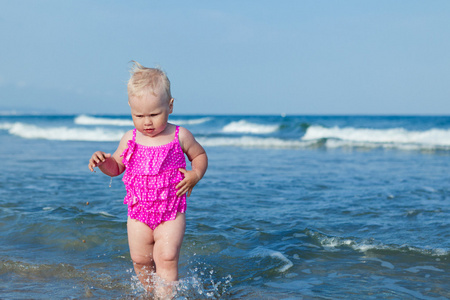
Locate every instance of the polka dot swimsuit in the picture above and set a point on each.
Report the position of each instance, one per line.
(150, 179)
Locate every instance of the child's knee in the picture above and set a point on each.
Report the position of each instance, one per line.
(143, 260)
(169, 255)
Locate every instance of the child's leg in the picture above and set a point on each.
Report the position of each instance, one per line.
(168, 237)
(141, 243)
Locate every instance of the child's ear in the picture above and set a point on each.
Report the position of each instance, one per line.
(171, 105)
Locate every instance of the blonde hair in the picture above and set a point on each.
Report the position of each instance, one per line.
(147, 80)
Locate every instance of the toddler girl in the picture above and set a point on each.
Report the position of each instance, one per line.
(156, 179)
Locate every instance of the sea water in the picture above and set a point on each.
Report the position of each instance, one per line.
(292, 207)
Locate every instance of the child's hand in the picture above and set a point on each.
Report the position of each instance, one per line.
(187, 184)
(97, 159)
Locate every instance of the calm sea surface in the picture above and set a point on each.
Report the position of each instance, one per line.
(293, 207)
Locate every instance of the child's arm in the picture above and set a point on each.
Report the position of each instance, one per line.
(110, 165)
(199, 162)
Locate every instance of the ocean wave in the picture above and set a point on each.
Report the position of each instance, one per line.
(315, 136)
(268, 253)
(393, 138)
(255, 142)
(243, 126)
(63, 133)
(100, 134)
(88, 120)
(333, 243)
(191, 121)
(426, 268)
(6, 126)
(106, 214)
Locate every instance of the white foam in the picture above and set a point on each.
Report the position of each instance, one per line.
(387, 138)
(88, 120)
(255, 142)
(333, 243)
(263, 252)
(106, 214)
(6, 126)
(243, 126)
(280, 256)
(64, 133)
(427, 268)
(191, 121)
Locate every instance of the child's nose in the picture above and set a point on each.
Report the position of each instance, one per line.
(148, 121)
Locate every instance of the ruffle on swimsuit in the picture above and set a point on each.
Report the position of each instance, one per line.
(150, 179)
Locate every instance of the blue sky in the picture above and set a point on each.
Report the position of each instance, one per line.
(229, 57)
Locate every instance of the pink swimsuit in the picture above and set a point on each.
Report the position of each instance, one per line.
(150, 179)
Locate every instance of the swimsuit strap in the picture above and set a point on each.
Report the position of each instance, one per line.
(134, 135)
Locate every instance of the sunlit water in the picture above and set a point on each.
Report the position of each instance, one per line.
(290, 208)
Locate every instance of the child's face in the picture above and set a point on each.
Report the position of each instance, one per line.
(150, 113)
